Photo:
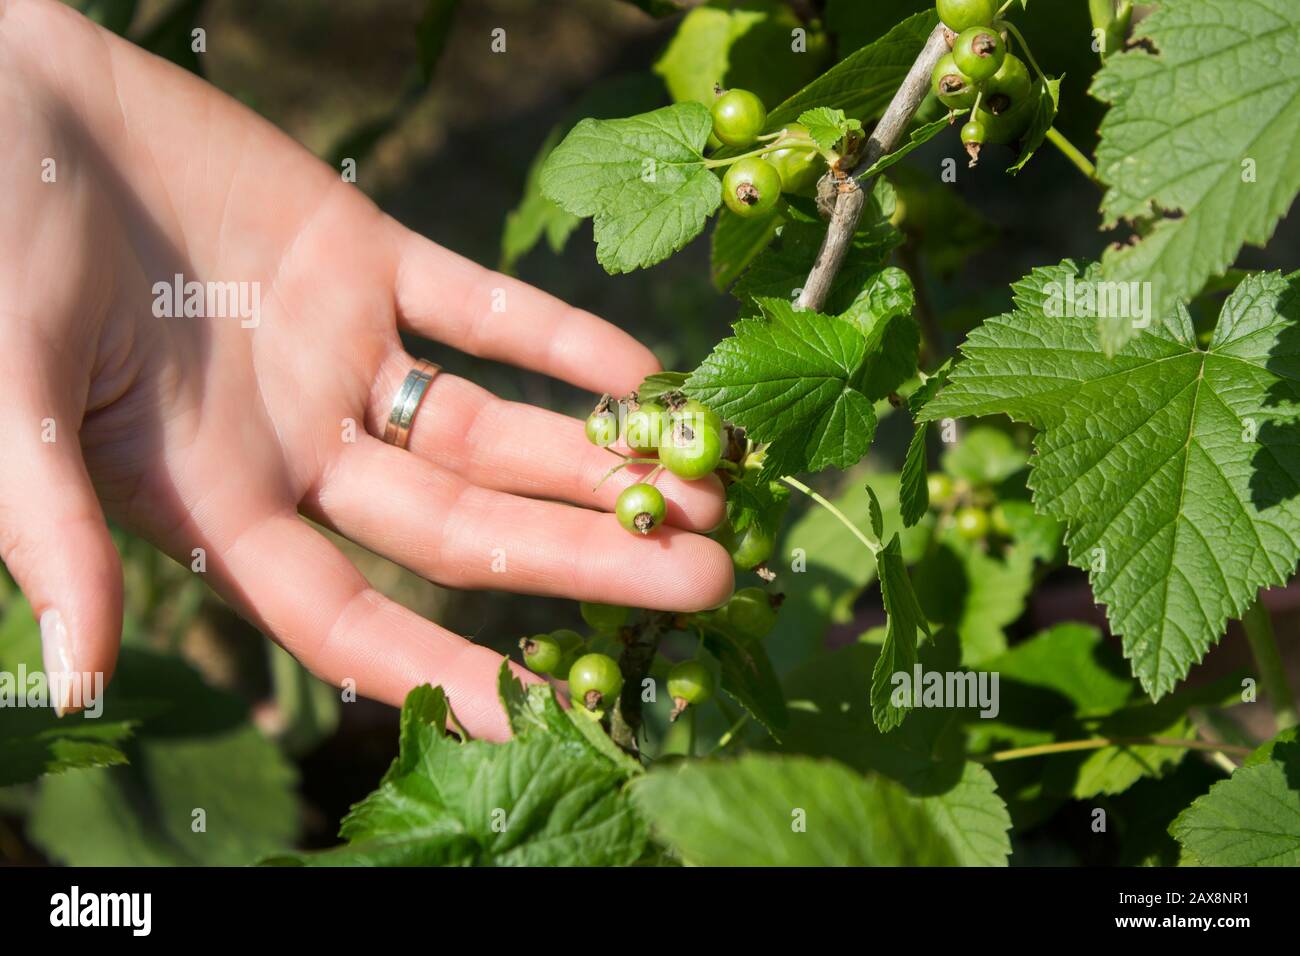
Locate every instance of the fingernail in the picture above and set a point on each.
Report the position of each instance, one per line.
(56, 654)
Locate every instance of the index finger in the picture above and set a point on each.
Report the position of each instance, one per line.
(449, 298)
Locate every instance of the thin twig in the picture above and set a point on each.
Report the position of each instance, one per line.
(1097, 743)
(852, 197)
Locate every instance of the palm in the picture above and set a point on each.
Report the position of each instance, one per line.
(210, 437)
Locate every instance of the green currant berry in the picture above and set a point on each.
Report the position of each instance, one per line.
(979, 53)
(542, 653)
(1010, 86)
(640, 508)
(959, 15)
(751, 187)
(595, 681)
(973, 132)
(953, 87)
(748, 615)
(602, 428)
(940, 487)
(738, 117)
(696, 414)
(998, 518)
(972, 523)
(692, 448)
(751, 547)
(799, 167)
(603, 618)
(644, 426)
(1009, 126)
(691, 682)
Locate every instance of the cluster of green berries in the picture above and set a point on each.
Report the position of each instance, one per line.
(971, 521)
(982, 76)
(752, 185)
(595, 680)
(687, 437)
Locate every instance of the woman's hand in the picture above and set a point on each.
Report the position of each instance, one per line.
(209, 435)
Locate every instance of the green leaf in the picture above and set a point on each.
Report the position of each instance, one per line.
(1250, 819)
(973, 818)
(916, 139)
(748, 46)
(737, 242)
(642, 179)
(1154, 458)
(1049, 100)
(780, 271)
(906, 624)
(883, 310)
(863, 83)
(535, 216)
(194, 750)
(792, 379)
(914, 489)
(1204, 129)
(877, 514)
(789, 811)
(545, 798)
(828, 126)
(33, 741)
(656, 386)
(747, 675)
(856, 24)
(752, 501)
(534, 710)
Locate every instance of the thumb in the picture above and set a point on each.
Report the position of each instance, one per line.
(56, 544)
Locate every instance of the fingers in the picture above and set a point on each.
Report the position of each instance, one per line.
(460, 535)
(297, 587)
(525, 450)
(55, 542)
(449, 298)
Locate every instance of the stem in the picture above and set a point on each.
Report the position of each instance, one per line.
(1029, 54)
(852, 196)
(734, 729)
(623, 464)
(1259, 632)
(1097, 743)
(872, 546)
(1073, 154)
(640, 644)
(761, 151)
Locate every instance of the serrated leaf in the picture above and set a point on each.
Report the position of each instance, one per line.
(655, 386)
(828, 126)
(747, 676)
(739, 813)
(863, 83)
(545, 798)
(1045, 107)
(883, 310)
(916, 139)
(914, 489)
(782, 268)
(898, 654)
(877, 514)
(642, 179)
(1186, 124)
(1250, 819)
(1156, 458)
(973, 818)
(753, 502)
(791, 379)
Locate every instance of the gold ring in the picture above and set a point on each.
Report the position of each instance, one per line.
(407, 402)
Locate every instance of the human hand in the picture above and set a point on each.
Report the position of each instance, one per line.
(210, 435)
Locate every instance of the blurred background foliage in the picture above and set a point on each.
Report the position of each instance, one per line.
(447, 136)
